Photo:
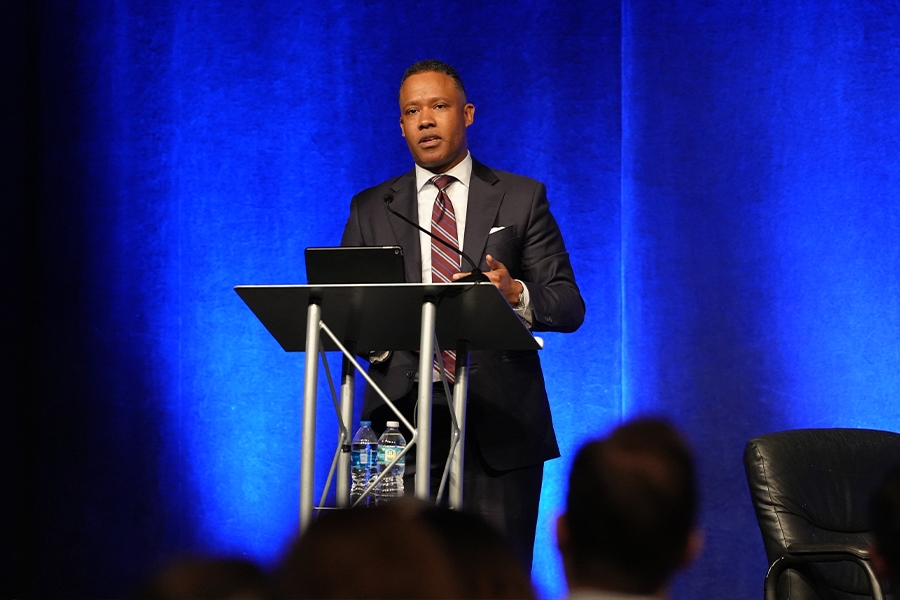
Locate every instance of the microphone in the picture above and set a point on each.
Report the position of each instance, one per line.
(475, 275)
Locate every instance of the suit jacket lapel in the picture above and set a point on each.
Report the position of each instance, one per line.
(406, 203)
(484, 203)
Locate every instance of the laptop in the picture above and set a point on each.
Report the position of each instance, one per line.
(355, 264)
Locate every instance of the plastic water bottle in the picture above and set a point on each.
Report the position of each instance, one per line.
(363, 465)
(390, 445)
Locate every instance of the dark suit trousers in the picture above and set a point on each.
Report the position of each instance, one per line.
(507, 499)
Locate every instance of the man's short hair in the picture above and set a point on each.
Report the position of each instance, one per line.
(320, 562)
(434, 66)
(885, 513)
(631, 504)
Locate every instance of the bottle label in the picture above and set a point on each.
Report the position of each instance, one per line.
(386, 455)
(361, 459)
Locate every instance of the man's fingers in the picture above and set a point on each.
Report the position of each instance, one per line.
(493, 263)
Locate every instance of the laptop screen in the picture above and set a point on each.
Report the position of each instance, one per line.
(355, 264)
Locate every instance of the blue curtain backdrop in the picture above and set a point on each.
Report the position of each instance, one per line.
(725, 174)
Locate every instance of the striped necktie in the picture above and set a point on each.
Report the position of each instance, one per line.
(444, 261)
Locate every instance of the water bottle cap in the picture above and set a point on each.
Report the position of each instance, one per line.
(365, 423)
(393, 423)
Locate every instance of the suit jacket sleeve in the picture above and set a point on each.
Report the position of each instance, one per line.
(352, 231)
(543, 265)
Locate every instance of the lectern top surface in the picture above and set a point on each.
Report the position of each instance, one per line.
(388, 316)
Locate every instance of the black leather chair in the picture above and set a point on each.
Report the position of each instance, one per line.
(811, 490)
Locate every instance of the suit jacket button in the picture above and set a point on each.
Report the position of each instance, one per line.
(410, 374)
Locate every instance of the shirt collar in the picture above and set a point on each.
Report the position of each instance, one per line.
(462, 172)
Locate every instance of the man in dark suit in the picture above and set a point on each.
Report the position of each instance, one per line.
(503, 221)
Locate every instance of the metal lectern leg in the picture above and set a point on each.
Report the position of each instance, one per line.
(348, 372)
(423, 421)
(308, 433)
(460, 389)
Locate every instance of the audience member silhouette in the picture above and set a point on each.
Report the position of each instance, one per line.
(376, 552)
(885, 546)
(207, 578)
(485, 564)
(629, 521)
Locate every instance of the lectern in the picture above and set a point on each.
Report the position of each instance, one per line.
(357, 319)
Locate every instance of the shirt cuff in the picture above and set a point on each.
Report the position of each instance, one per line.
(378, 356)
(524, 308)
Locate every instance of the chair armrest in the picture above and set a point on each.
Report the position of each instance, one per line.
(799, 554)
(804, 549)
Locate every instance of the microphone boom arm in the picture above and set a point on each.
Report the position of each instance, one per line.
(476, 273)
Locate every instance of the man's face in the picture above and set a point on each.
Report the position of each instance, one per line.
(433, 119)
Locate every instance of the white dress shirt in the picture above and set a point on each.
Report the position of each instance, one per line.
(458, 191)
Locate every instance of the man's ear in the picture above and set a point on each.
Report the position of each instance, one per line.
(692, 548)
(402, 132)
(469, 113)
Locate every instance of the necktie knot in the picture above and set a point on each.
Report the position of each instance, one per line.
(442, 181)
